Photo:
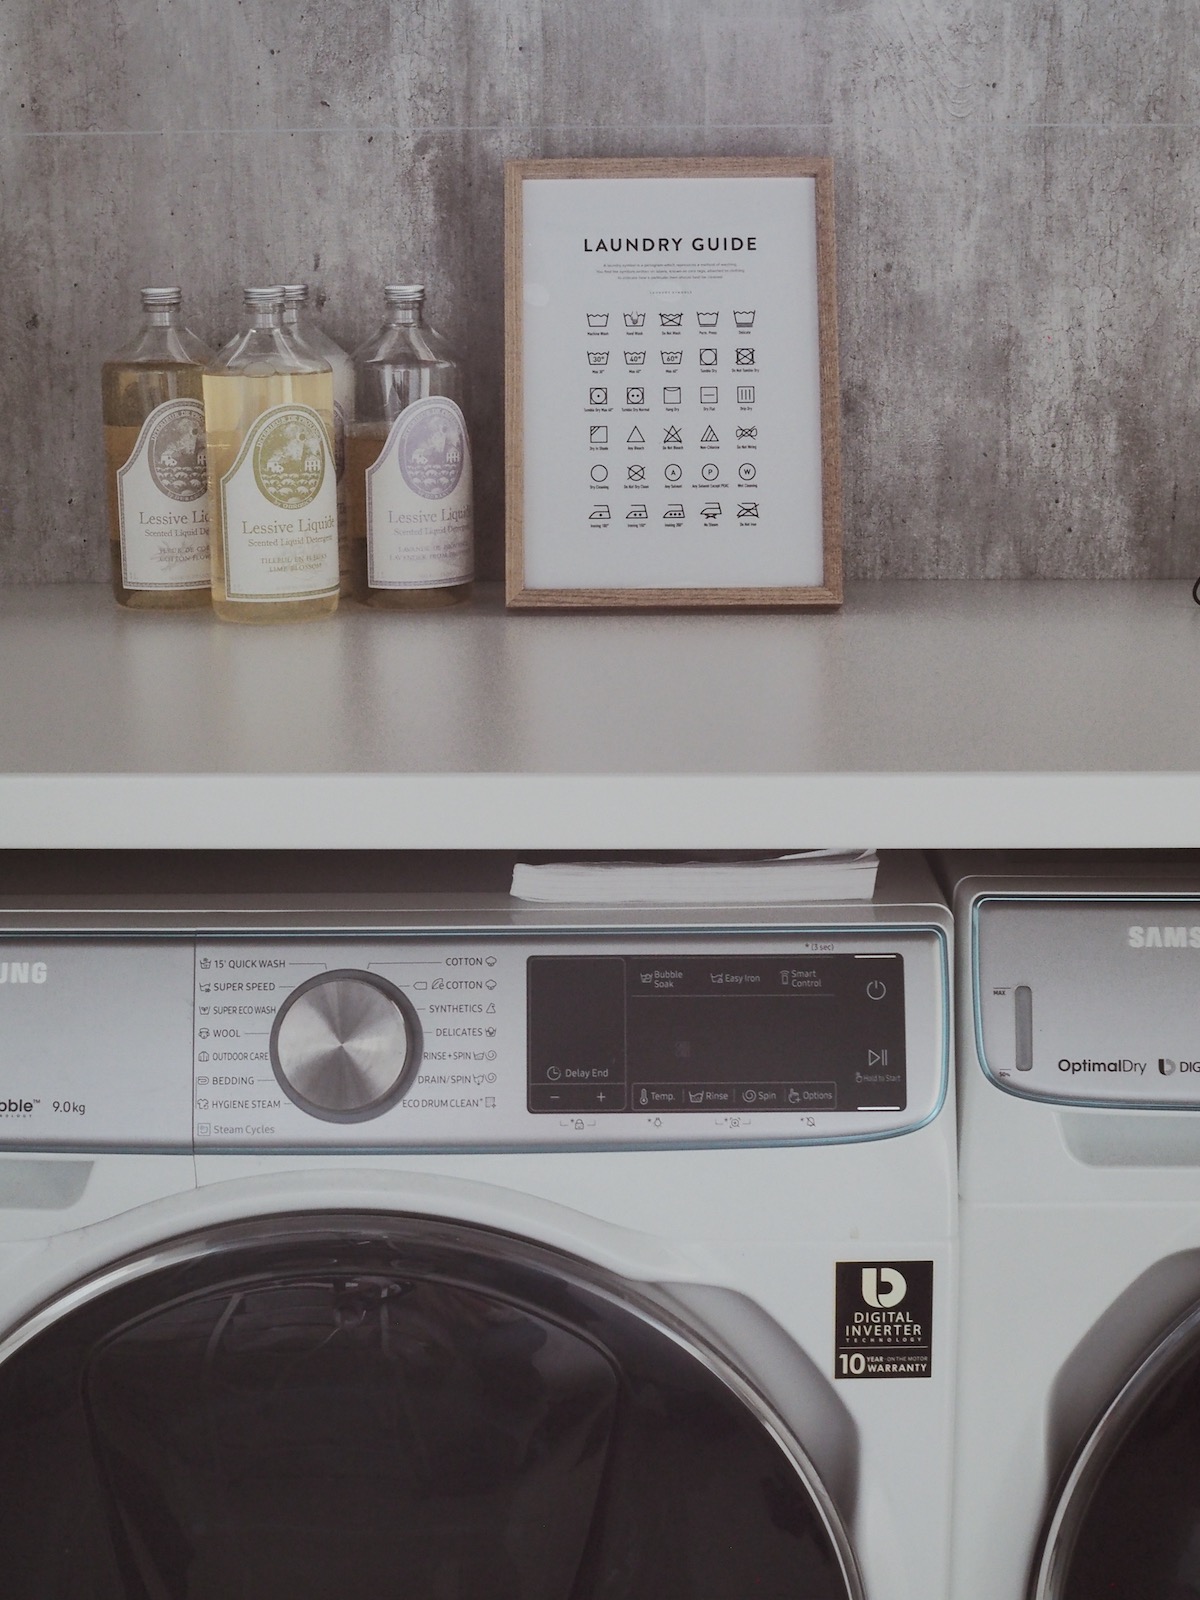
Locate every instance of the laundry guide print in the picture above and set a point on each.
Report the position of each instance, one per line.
(672, 384)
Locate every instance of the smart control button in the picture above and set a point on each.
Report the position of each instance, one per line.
(345, 1045)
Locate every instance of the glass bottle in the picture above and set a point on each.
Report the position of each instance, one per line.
(408, 465)
(157, 485)
(268, 408)
(299, 320)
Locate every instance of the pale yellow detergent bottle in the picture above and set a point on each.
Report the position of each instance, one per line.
(268, 408)
(156, 479)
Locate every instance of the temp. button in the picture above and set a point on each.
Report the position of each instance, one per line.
(346, 1045)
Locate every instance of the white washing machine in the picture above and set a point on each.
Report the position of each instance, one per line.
(1078, 1427)
(428, 1246)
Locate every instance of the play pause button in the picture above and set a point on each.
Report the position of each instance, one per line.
(877, 1058)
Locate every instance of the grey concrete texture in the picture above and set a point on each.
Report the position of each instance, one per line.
(1018, 200)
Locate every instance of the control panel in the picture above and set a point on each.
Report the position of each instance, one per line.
(688, 1034)
(479, 1040)
(1089, 1000)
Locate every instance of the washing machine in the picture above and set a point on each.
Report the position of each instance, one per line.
(1078, 1422)
(406, 1241)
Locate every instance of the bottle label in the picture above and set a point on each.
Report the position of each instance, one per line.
(162, 500)
(279, 510)
(420, 531)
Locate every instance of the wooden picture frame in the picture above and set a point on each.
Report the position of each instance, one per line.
(717, 269)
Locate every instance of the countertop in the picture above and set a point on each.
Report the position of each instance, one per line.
(922, 714)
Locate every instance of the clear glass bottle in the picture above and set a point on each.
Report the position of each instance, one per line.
(408, 465)
(299, 320)
(157, 484)
(268, 407)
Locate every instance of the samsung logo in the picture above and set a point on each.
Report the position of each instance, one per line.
(22, 972)
(1164, 938)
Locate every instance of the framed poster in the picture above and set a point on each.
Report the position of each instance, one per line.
(671, 384)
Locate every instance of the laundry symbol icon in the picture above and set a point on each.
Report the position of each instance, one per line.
(672, 396)
(597, 319)
(710, 510)
(671, 358)
(673, 472)
(747, 433)
(745, 394)
(635, 397)
(637, 513)
(708, 394)
(637, 473)
(670, 319)
(708, 356)
(674, 512)
(598, 433)
(747, 511)
(636, 436)
(599, 473)
(672, 436)
(634, 319)
(600, 514)
(747, 472)
(709, 436)
(634, 358)
(707, 319)
(743, 320)
(745, 356)
(597, 397)
(597, 358)
(710, 472)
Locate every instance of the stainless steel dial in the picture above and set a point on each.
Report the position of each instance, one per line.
(346, 1045)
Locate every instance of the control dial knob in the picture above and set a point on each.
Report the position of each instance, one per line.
(345, 1045)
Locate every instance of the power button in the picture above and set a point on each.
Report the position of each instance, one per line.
(876, 990)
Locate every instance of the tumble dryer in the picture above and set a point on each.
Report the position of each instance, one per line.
(427, 1246)
(1078, 1425)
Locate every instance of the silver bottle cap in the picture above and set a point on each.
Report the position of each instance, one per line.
(404, 294)
(160, 299)
(295, 294)
(262, 299)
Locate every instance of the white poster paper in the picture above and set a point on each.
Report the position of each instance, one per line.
(672, 406)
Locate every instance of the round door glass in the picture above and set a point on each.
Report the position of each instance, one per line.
(1127, 1525)
(376, 1407)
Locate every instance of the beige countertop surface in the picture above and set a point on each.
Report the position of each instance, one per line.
(922, 714)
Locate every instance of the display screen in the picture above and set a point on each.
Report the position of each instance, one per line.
(716, 1033)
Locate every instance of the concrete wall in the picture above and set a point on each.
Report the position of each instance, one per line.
(1018, 199)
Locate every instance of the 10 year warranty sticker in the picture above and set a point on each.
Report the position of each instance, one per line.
(884, 1315)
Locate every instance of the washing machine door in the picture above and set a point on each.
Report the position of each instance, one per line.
(1126, 1522)
(386, 1409)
